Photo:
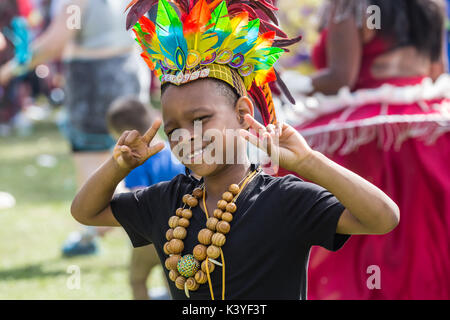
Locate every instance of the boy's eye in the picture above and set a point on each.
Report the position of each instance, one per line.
(170, 132)
(201, 118)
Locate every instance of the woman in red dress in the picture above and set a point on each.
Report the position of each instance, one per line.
(379, 106)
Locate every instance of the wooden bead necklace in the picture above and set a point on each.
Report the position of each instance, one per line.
(191, 270)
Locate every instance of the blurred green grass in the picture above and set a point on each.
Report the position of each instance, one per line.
(33, 231)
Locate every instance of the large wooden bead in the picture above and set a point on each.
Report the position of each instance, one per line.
(179, 233)
(178, 212)
(198, 193)
(172, 262)
(169, 234)
(173, 221)
(223, 227)
(234, 189)
(166, 248)
(227, 196)
(213, 252)
(186, 198)
(204, 236)
(201, 277)
(183, 222)
(211, 223)
(192, 202)
(191, 284)
(226, 216)
(179, 282)
(199, 252)
(187, 213)
(176, 246)
(173, 275)
(222, 204)
(231, 207)
(217, 213)
(211, 266)
(218, 239)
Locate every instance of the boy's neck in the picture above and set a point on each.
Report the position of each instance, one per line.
(218, 183)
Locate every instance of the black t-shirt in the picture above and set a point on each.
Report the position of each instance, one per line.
(266, 252)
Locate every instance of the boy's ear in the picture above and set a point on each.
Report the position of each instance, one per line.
(244, 106)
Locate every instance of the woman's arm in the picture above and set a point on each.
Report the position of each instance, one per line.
(50, 44)
(439, 67)
(344, 50)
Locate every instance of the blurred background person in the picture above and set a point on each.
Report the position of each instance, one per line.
(11, 97)
(373, 107)
(100, 65)
(300, 18)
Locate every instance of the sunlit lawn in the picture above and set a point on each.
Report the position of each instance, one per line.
(32, 232)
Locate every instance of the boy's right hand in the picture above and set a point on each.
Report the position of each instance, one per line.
(132, 149)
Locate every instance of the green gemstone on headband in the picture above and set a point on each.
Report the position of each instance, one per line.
(193, 59)
(210, 58)
(246, 70)
(237, 61)
(180, 58)
(224, 56)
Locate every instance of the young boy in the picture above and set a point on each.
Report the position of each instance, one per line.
(261, 227)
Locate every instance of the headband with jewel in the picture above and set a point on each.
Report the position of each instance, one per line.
(232, 41)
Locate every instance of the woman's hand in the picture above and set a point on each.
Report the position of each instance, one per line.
(132, 149)
(285, 146)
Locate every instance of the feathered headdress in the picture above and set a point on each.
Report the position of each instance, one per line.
(236, 41)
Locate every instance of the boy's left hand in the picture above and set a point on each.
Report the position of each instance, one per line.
(285, 145)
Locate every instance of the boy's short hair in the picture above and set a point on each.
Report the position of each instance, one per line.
(128, 113)
(223, 88)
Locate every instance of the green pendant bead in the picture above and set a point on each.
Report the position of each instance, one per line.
(188, 266)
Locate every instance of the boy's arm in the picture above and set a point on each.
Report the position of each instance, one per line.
(91, 205)
(368, 209)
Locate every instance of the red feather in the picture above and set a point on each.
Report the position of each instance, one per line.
(198, 18)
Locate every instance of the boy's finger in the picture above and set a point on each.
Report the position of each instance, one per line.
(156, 148)
(122, 138)
(255, 125)
(150, 134)
(132, 136)
(267, 143)
(125, 149)
(279, 128)
(126, 154)
(252, 139)
(271, 129)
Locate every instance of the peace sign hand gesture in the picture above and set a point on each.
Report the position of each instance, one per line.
(285, 145)
(132, 149)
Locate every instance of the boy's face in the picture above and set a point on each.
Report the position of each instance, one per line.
(202, 126)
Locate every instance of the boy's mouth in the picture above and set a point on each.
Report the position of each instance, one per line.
(196, 155)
